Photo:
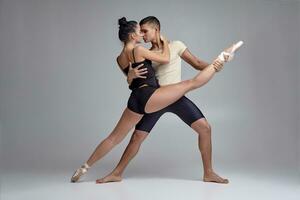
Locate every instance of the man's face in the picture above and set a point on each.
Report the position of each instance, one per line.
(149, 31)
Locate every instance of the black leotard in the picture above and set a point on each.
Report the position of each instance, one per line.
(150, 79)
(142, 88)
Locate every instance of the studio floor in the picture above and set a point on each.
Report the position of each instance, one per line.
(175, 185)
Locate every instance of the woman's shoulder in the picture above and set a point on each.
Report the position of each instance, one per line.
(139, 48)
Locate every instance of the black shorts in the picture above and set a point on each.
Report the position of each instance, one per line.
(184, 108)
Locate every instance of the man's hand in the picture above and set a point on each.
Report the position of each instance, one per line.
(218, 64)
(136, 72)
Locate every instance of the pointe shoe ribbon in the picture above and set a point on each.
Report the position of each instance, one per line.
(231, 53)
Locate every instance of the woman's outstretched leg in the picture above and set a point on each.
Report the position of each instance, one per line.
(127, 121)
(166, 95)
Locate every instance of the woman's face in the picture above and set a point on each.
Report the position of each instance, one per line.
(138, 35)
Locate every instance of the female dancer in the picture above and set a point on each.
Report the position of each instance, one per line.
(146, 95)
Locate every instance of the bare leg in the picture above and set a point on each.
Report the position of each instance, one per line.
(161, 98)
(166, 95)
(131, 150)
(203, 129)
(127, 121)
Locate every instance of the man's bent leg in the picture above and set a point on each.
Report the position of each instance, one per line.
(203, 129)
(188, 112)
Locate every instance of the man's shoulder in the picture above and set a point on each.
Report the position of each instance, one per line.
(177, 43)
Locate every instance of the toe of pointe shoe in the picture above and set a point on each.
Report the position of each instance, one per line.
(237, 46)
(225, 181)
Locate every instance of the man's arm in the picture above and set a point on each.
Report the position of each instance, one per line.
(195, 62)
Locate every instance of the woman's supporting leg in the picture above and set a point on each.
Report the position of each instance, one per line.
(127, 121)
(131, 150)
(166, 95)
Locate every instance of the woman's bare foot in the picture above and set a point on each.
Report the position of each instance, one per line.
(213, 177)
(109, 178)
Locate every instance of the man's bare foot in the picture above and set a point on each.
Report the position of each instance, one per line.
(213, 177)
(109, 178)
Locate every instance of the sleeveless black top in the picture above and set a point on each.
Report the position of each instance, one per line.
(150, 76)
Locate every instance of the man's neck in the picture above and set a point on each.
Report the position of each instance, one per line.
(155, 46)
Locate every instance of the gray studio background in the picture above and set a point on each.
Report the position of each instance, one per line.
(61, 92)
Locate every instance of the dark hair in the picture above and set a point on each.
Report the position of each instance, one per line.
(151, 20)
(125, 28)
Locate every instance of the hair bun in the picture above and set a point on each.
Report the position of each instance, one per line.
(122, 21)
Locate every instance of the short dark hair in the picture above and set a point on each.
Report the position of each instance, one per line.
(125, 28)
(150, 20)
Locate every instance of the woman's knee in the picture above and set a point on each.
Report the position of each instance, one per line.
(113, 140)
(138, 136)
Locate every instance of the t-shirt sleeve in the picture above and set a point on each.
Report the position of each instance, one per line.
(180, 46)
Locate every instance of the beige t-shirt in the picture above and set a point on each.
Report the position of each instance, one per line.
(170, 73)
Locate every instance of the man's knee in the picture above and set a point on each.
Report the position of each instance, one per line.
(202, 125)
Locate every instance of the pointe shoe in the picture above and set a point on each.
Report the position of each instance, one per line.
(79, 172)
(230, 54)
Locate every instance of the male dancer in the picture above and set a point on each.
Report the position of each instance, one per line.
(168, 74)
